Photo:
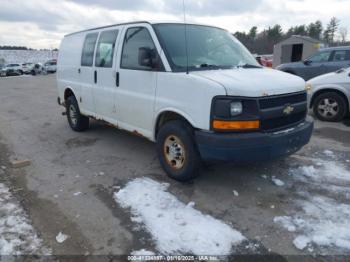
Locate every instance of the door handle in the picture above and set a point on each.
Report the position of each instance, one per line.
(79, 71)
(95, 77)
(117, 79)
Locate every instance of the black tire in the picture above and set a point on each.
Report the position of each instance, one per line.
(77, 121)
(20, 72)
(182, 133)
(337, 103)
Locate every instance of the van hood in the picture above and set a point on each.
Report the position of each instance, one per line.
(254, 82)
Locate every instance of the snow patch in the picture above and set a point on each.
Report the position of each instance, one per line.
(323, 220)
(329, 153)
(329, 171)
(301, 242)
(60, 238)
(17, 236)
(175, 226)
(277, 181)
(286, 222)
(142, 252)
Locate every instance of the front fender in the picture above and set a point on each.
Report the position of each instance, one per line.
(174, 110)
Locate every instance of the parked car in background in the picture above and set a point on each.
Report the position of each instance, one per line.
(265, 60)
(11, 69)
(27, 68)
(51, 66)
(38, 69)
(324, 61)
(329, 95)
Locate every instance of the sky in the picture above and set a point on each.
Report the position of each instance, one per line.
(43, 23)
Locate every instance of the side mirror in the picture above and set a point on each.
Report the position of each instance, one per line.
(307, 62)
(146, 57)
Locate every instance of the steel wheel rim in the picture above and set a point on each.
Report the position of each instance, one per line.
(328, 108)
(73, 114)
(174, 152)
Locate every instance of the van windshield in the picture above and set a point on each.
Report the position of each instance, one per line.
(208, 48)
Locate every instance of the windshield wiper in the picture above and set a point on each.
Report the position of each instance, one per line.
(209, 66)
(249, 66)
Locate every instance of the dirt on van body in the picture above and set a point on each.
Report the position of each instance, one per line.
(70, 182)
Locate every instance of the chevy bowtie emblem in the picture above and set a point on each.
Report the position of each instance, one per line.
(288, 110)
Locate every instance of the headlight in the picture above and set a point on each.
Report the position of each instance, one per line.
(236, 108)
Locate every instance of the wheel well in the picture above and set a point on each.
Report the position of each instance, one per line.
(322, 91)
(67, 93)
(167, 116)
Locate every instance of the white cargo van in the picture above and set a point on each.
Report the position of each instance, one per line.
(194, 90)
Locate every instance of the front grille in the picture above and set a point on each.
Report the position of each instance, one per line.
(276, 101)
(272, 111)
(282, 122)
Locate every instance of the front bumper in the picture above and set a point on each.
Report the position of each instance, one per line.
(250, 147)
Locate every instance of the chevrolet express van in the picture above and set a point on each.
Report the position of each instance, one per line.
(194, 90)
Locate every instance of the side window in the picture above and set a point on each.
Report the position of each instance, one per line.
(105, 48)
(137, 42)
(87, 56)
(321, 57)
(339, 56)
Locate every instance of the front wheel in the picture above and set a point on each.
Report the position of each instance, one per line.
(330, 107)
(177, 151)
(77, 121)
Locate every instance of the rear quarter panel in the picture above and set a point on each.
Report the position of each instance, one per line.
(68, 64)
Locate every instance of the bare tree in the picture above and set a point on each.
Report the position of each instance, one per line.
(343, 33)
(331, 30)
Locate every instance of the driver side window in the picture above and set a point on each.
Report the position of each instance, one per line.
(321, 57)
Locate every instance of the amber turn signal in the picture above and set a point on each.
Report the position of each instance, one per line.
(236, 125)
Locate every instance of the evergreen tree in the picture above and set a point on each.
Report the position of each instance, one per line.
(314, 30)
(253, 32)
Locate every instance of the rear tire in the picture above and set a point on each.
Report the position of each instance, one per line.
(77, 121)
(177, 151)
(330, 107)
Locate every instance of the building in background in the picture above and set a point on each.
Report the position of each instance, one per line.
(295, 49)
